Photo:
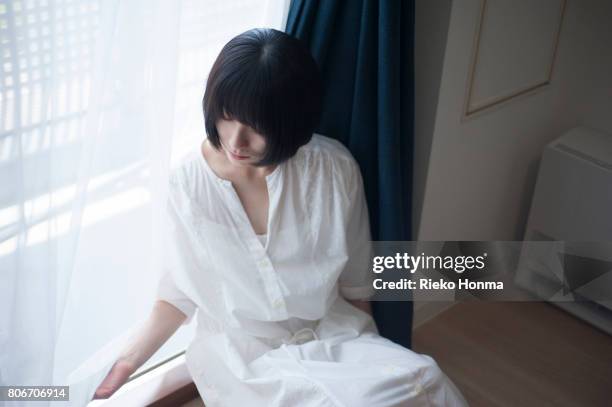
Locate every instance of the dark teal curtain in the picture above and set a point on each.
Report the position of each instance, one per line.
(365, 51)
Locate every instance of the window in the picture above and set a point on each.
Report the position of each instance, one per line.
(97, 99)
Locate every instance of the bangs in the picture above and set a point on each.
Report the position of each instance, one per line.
(248, 97)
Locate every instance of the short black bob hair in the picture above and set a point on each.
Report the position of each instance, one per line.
(269, 81)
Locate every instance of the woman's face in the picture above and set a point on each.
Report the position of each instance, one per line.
(241, 144)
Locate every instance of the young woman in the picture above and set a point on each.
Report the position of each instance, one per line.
(269, 240)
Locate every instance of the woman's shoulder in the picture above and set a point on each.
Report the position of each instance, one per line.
(186, 172)
(327, 146)
(324, 152)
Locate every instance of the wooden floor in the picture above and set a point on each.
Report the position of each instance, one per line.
(519, 354)
(194, 403)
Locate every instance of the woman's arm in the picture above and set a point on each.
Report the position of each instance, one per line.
(163, 321)
(365, 306)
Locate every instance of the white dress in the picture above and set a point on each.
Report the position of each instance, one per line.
(273, 325)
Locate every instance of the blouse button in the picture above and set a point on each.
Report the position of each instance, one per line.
(263, 263)
(277, 303)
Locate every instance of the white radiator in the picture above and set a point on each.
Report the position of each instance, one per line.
(572, 202)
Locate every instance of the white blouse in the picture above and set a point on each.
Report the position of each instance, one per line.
(273, 324)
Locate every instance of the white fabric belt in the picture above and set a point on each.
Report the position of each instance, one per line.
(302, 336)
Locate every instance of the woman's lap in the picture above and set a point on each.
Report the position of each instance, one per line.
(367, 370)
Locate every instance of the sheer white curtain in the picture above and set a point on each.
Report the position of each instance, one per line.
(97, 99)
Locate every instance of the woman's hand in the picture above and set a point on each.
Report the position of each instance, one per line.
(365, 306)
(118, 375)
(164, 320)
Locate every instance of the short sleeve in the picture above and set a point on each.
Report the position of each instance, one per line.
(169, 292)
(178, 260)
(355, 282)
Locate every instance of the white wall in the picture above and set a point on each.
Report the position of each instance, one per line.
(431, 27)
(586, 62)
(475, 177)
